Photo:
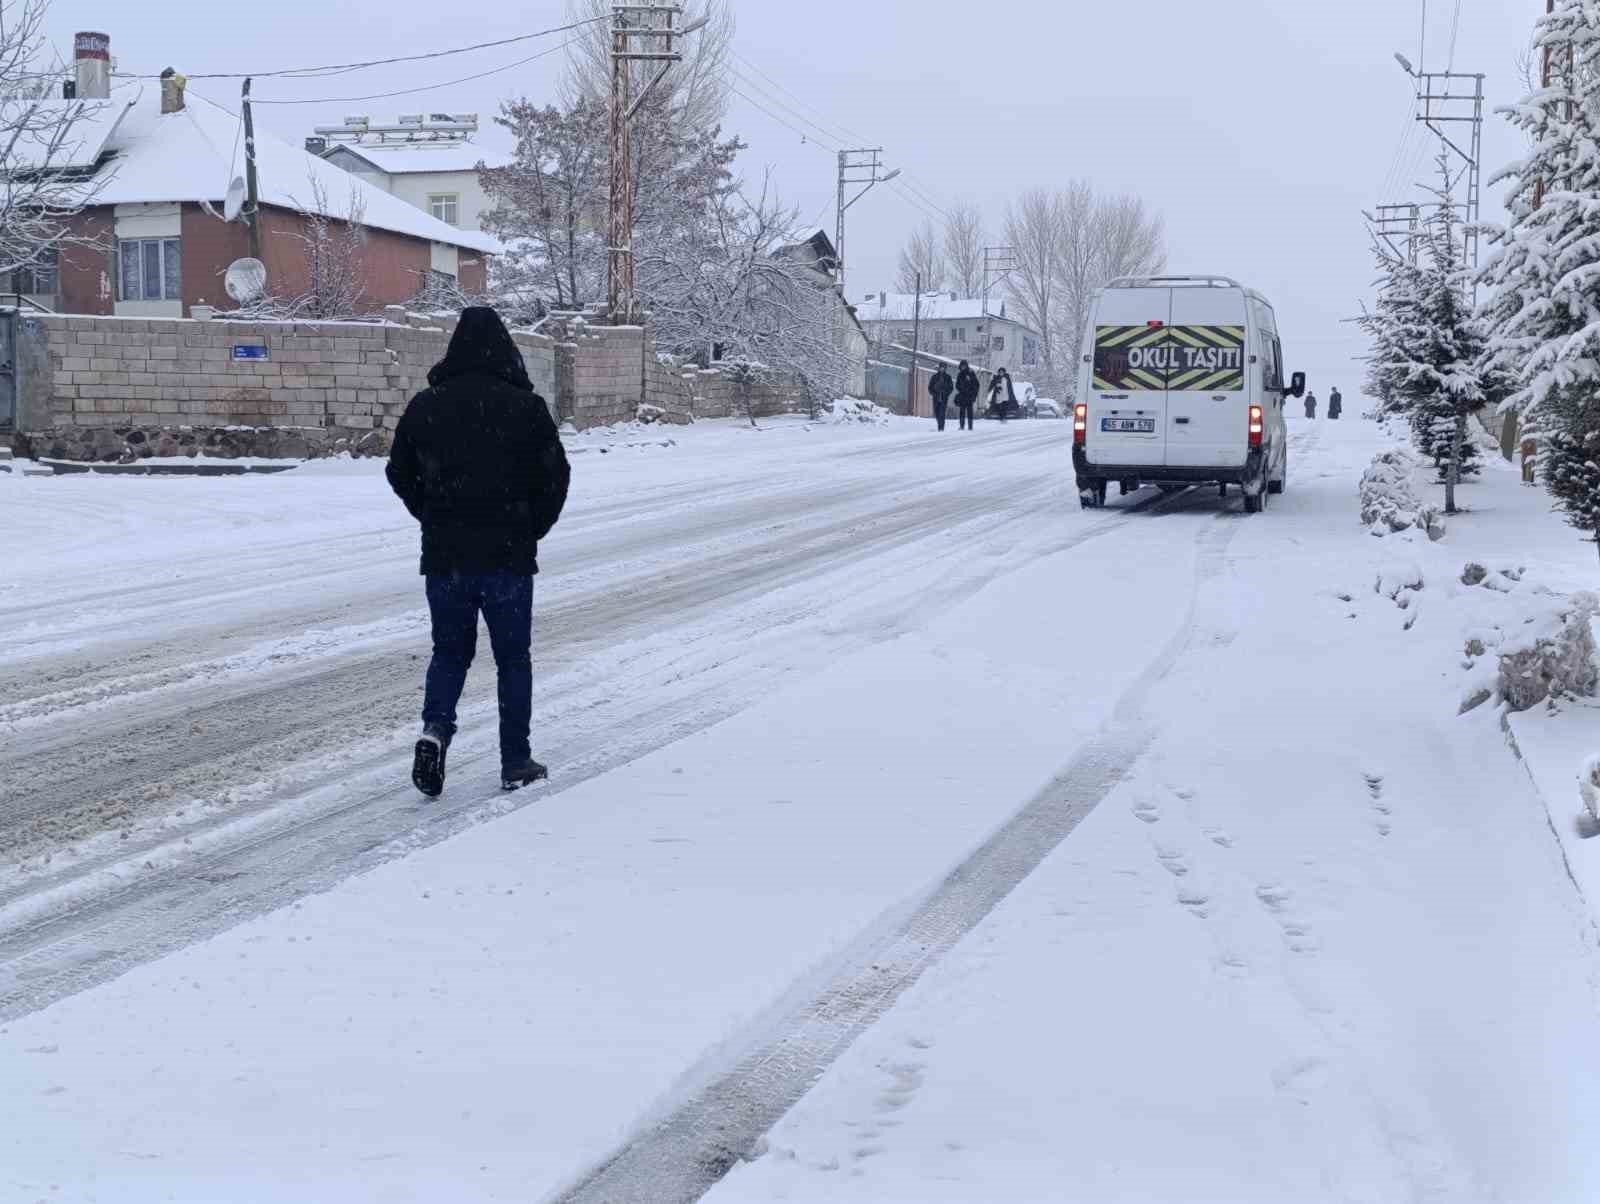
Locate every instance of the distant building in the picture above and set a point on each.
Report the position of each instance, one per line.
(153, 241)
(427, 160)
(961, 328)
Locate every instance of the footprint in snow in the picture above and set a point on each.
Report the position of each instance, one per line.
(1296, 933)
(1147, 810)
(1300, 1077)
(1172, 860)
(1219, 837)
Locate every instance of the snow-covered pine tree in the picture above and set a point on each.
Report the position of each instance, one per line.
(1542, 309)
(1441, 351)
(1397, 279)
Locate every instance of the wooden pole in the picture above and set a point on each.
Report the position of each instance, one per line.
(916, 336)
(252, 211)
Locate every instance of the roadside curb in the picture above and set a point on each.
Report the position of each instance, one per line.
(76, 467)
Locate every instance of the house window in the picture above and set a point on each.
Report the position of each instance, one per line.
(151, 269)
(1030, 351)
(999, 342)
(958, 334)
(41, 279)
(938, 339)
(445, 206)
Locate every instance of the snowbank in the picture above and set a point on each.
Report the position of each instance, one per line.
(851, 409)
(1388, 502)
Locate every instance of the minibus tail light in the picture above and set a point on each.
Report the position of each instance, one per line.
(1080, 423)
(1255, 426)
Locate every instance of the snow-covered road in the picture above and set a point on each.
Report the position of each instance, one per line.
(1117, 856)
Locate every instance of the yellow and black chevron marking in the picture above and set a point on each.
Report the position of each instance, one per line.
(1190, 358)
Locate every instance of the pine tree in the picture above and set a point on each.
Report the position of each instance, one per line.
(1383, 324)
(1441, 352)
(1543, 307)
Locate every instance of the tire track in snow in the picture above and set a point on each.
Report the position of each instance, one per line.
(69, 931)
(680, 1155)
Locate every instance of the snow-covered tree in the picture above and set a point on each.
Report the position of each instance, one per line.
(40, 137)
(1439, 353)
(549, 205)
(1542, 308)
(742, 290)
(1384, 323)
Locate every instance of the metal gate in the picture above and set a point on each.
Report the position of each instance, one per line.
(8, 369)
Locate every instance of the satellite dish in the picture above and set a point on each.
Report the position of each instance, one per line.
(245, 280)
(233, 203)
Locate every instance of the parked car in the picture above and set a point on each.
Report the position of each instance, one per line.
(1045, 407)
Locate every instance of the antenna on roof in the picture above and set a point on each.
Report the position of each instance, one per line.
(245, 280)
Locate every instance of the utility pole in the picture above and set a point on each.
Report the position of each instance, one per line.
(998, 263)
(630, 21)
(1452, 99)
(1398, 221)
(916, 339)
(252, 209)
(862, 166)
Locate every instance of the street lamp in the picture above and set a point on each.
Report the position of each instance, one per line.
(1405, 63)
(852, 163)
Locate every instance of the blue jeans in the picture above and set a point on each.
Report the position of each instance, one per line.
(506, 600)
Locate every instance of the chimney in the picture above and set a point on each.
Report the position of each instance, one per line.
(172, 86)
(91, 53)
(316, 146)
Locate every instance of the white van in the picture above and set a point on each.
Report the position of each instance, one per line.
(1181, 383)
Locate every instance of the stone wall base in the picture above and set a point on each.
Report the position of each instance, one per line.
(126, 445)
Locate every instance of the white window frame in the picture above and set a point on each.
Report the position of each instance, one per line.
(447, 201)
(137, 288)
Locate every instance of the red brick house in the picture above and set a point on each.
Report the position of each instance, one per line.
(159, 251)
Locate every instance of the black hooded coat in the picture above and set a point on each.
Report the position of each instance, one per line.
(476, 457)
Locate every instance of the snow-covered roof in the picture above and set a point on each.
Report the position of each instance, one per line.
(411, 158)
(93, 122)
(191, 155)
(900, 307)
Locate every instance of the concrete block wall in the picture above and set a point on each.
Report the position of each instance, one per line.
(340, 384)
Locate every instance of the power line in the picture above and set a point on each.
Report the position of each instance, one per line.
(343, 68)
(824, 131)
(1455, 29)
(448, 83)
(807, 138)
(849, 134)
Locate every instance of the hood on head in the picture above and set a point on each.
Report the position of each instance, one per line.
(481, 346)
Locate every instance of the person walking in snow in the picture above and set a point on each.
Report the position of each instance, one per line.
(1311, 404)
(1335, 403)
(1002, 400)
(478, 462)
(966, 394)
(939, 389)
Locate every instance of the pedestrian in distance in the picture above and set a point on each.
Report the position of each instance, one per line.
(1311, 404)
(1335, 403)
(966, 394)
(1001, 397)
(478, 462)
(939, 389)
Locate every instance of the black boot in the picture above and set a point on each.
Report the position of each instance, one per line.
(517, 776)
(427, 763)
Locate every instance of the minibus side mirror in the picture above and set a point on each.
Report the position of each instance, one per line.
(1297, 385)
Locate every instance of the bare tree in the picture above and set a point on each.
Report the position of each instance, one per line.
(336, 279)
(1080, 271)
(922, 255)
(1133, 240)
(1034, 225)
(695, 91)
(963, 248)
(44, 182)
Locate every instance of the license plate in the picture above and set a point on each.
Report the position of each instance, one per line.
(1133, 426)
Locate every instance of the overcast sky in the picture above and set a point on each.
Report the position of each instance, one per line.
(1259, 129)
